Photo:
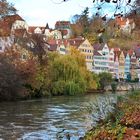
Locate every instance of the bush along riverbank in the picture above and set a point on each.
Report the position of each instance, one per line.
(122, 121)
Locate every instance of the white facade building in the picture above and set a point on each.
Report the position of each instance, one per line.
(101, 59)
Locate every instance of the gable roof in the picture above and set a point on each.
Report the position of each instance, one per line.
(12, 18)
(6, 24)
(97, 53)
(98, 46)
(32, 28)
(61, 23)
(76, 42)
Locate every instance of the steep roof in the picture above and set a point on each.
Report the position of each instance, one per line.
(97, 53)
(76, 41)
(98, 46)
(58, 23)
(6, 24)
(12, 18)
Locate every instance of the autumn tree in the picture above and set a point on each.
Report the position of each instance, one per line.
(6, 8)
(11, 84)
(41, 47)
(27, 69)
(81, 23)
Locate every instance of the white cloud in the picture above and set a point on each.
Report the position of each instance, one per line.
(39, 12)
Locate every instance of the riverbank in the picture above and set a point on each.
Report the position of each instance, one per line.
(123, 123)
(123, 86)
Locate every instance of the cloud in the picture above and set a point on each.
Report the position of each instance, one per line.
(39, 12)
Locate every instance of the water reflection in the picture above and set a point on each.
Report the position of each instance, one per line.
(45, 119)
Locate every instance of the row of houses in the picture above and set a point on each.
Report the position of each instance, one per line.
(122, 64)
(98, 57)
(15, 26)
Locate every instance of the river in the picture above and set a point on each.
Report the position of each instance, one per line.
(46, 119)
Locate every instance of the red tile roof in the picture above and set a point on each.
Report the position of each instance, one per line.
(58, 23)
(13, 18)
(76, 41)
(32, 28)
(97, 53)
(120, 21)
(130, 52)
(6, 24)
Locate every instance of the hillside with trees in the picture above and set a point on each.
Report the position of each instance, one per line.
(103, 29)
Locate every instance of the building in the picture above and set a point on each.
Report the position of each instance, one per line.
(111, 61)
(125, 24)
(56, 34)
(101, 58)
(88, 51)
(133, 66)
(116, 67)
(11, 27)
(36, 29)
(127, 67)
(121, 66)
(65, 28)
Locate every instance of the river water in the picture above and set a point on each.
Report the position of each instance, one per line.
(46, 119)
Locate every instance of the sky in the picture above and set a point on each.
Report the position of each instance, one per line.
(40, 12)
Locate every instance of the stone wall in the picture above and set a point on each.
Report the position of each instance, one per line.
(122, 86)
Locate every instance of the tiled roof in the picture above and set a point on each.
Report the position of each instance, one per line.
(98, 46)
(62, 23)
(131, 52)
(32, 28)
(52, 47)
(116, 49)
(13, 18)
(97, 53)
(121, 21)
(73, 42)
(76, 41)
(6, 24)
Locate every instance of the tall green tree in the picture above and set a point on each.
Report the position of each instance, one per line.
(81, 22)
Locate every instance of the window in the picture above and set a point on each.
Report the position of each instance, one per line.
(62, 49)
(24, 57)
